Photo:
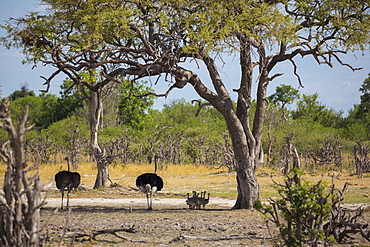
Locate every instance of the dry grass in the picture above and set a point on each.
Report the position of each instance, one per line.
(181, 179)
(167, 222)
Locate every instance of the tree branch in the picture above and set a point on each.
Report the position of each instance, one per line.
(95, 233)
(200, 106)
(295, 72)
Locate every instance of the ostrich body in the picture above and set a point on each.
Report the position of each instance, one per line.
(67, 179)
(150, 183)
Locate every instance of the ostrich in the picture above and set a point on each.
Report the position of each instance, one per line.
(67, 179)
(205, 200)
(149, 183)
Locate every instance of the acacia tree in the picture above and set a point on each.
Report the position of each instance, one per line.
(138, 39)
(60, 39)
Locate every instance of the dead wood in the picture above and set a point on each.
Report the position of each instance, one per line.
(230, 237)
(20, 202)
(95, 233)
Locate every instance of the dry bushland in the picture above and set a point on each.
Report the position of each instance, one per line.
(117, 215)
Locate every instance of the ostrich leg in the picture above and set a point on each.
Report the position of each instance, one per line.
(149, 200)
(62, 197)
(68, 199)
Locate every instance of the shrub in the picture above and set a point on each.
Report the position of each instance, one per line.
(300, 212)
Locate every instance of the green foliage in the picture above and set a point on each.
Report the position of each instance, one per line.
(133, 105)
(23, 92)
(113, 132)
(308, 134)
(301, 210)
(311, 109)
(333, 16)
(363, 109)
(285, 94)
(35, 107)
(181, 116)
(356, 132)
(357, 123)
(44, 109)
(62, 131)
(71, 99)
(209, 25)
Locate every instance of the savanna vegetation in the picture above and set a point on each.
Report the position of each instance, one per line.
(107, 49)
(183, 132)
(97, 44)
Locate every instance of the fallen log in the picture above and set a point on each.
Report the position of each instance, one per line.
(94, 233)
(230, 237)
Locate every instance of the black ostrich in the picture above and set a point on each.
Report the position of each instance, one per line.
(150, 183)
(67, 179)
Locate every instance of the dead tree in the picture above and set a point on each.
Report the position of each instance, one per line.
(361, 156)
(195, 149)
(289, 154)
(121, 148)
(152, 141)
(75, 147)
(42, 148)
(218, 155)
(20, 204)
(329, 153)
(343, 223)
(228, 158)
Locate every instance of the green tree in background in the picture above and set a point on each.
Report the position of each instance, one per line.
(22, 92)
(35, 107)
(358, 120)
(132, 106)
(284, 95)
(45, 109)
(311, 109)
(363, 109)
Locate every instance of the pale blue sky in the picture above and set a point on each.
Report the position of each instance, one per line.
(337, 87)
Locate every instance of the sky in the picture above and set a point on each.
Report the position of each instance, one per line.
(338, 87)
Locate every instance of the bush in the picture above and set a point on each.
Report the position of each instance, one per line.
(301, 212)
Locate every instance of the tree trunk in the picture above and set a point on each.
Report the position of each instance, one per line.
(95, 108)
(248, 188)
(244, 143)
(244, 151)
(103, 173)
(247, 153)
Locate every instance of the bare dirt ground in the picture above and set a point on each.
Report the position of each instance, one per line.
(121, 219)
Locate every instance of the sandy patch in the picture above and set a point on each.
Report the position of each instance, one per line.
(132, 202)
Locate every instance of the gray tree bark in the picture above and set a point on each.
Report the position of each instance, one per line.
(95, 109)
(19, 225)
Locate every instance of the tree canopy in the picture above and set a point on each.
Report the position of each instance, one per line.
(112, 40)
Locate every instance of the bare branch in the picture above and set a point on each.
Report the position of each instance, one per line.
(200, 106)
(345, 64)
(296, 74)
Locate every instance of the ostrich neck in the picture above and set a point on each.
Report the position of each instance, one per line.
(69, 168)
(155, 164)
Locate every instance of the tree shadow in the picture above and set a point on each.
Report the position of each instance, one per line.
(115, 209)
